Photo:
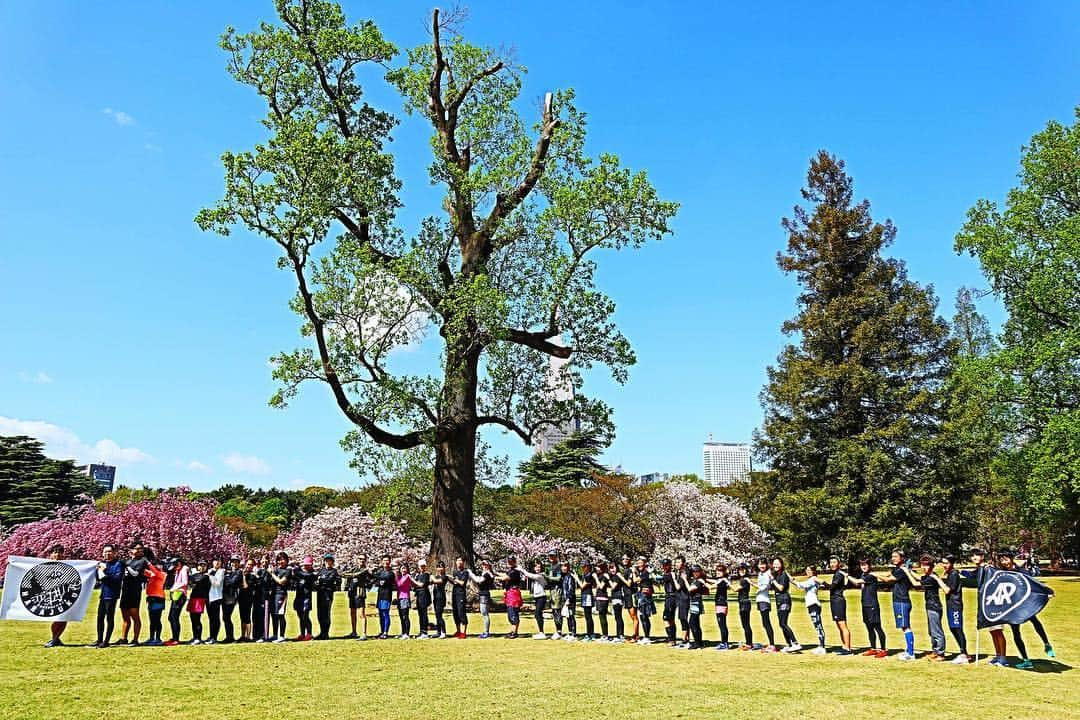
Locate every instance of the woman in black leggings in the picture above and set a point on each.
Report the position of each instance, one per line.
(745, 605)
(697, 590)
(764, 603)
(781, 583)
(603, 598)
(587, 581)
(438, 598)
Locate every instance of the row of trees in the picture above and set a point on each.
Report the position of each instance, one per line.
(887, 426)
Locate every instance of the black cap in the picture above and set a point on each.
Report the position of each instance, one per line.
(665, 561)
(978, 551)
(1005, 552)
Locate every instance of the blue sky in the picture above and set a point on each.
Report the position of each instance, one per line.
(130, 336)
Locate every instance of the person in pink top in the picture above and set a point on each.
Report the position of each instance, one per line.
(404, 598)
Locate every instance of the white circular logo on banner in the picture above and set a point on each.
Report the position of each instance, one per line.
(50, 588)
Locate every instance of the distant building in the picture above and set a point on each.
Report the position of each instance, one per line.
(104, 475)
(726, 463)
(653, 477)
(559, 388)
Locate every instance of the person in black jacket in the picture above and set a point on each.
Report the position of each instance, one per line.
(781, 583)
(386, 587)
(280, 578)
(671, 602)
(460, 581)
(327, 582)
(198, 599)
(249, 586)
(359, 582)
(681, 575)
(231, 586)
(438, 597)
(304, 585)
(422, 582)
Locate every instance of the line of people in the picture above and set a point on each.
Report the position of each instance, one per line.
(616, 600)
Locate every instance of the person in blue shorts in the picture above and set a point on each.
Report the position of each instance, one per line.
(902, 581)
(954, 607)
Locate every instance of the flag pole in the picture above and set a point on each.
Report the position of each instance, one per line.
(978, 634)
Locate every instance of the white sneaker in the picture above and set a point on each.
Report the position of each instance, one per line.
(403, 636)
(644, 641)
(539, 636)
(788, 649)
(617, 641)
(960, 659)
(570, 638)
(819, 651)
(442, 636)
(362, 637)
(423, 636)
(905, 656)
(796, 647)
(556, 636)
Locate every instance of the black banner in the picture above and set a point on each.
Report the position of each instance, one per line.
(1009, 598)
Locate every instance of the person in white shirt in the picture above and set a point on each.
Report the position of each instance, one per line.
(538, 587)
(213, 606)
(813, 606)
(764, 604)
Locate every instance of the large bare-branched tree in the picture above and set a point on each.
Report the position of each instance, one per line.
(503, 273)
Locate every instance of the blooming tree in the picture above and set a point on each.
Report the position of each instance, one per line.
(170, 524)
(497, 544)
(707, 528)
(350, 533)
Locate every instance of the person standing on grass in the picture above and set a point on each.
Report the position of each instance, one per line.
(249, 586)
(538, 585)
(231, 585)
(155, 597)
(642, 581)
(356, 589)
(1034, 619)
(262, 626)
(838, 603)
(554, 580)
(280, 579)
(131, 589)
(671, 602)
(603, 599)
(110, 573)
(198, 599)
(511, 581)
(459, 579)
(213, 606)
(813, 606)
(932, 586)
(327, 582)
(438, 598)
(485, 583)
(902, 581)
(178, 582)
(720, 604)
(404, 585)
(764, 603)
(385, 591)
(422, 585)
(697, 590)
(781, 584)
(56, 629)
(304, 585)
(743, 584)
(871, 609)
(976, 577)
(954, 607)
(682, 598)
(622, 598)
(586, 583)
(1005, 562)
(568, 586)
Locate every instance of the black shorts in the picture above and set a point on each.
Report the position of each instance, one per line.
(839, 609)
(670, 606)
(358, 601)
(871, 615)
(130, 599)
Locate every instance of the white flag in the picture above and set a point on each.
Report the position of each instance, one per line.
(47, 590)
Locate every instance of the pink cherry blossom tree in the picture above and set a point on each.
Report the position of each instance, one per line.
(497, 544)
(170, 524)
(350, 533)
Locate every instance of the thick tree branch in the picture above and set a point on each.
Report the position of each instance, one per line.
(537, 341)
(525, 435)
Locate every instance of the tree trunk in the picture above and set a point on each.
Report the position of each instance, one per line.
(452, 499)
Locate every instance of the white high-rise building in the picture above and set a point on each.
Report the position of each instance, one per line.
(726, 463)
(560, 388)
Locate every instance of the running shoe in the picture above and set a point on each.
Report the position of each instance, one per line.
(539, 636)
(870, 652)
(722, 646)
(174, 643)
(882, 653)
(1024, 664)
(960, 659)
(1050, 651)
(423, 636)
(796, 647)
(905, 656)
(644, 641)
(935, 657)
(556, 636)
(843, 651)
(819, 651)
(769, 649)
(484, 636)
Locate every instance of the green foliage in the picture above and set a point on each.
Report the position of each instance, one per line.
(571, 463)
(1030, 254)
(854, 409)
(33, 485)
(123, 496)
(503, 274)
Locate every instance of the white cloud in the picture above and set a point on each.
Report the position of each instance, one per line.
(38, 378)
(198, 467)
(121, 117)
(63, 443)
(249, 464)
(298, 483)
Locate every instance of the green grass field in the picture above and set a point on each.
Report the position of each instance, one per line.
(525, 678)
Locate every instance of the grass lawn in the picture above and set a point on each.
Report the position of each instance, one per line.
(527, 679)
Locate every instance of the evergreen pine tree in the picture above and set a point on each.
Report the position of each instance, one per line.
(853, 409)
(33, 485)
(571, 463)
